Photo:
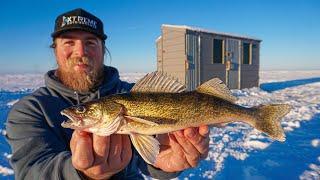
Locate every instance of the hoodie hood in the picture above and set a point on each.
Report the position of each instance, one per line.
(110, 82)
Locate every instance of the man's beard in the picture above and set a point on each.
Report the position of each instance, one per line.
(82, 81)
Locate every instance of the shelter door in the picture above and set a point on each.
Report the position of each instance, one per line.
(193, 61)
(232, 63)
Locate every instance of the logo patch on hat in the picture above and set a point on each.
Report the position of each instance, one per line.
(78, 19)
(69, 20)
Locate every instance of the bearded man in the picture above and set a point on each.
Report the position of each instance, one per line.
(42, 149)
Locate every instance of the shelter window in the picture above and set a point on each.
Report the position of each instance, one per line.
(217, 51)
(246, 53)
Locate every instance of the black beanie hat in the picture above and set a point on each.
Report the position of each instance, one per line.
(78, 19)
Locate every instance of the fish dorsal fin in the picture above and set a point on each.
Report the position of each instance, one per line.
(215, 87)
(158, 82)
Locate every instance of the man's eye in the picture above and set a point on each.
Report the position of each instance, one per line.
(91, 43)
(69, 43)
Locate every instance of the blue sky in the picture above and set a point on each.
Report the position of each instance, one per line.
(290, 30)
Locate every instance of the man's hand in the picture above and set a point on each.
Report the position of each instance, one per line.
(183, 149)
(100, 157)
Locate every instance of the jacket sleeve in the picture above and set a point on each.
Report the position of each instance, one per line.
(37, 151)
(125, 86)
(156, 173)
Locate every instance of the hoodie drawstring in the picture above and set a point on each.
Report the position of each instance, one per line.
(77, 97)
(98, 93)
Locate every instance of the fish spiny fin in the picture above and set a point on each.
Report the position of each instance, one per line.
(158, 82)
(147, 146)
(140, 120)
(217, 88)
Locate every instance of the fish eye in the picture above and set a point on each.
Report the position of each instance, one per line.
(80, 109)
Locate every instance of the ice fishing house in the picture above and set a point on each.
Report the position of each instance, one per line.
(196, 55)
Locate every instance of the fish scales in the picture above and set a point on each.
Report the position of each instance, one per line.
(173, 111)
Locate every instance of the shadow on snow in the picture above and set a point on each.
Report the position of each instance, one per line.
(274, 86)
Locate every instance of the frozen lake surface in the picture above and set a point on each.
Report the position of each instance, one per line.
(236, 151)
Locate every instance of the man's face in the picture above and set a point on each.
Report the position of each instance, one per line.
(79, 56)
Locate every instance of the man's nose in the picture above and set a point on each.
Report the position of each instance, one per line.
(80, 49)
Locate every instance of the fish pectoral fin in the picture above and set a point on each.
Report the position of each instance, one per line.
(140, 120)
(215, 87)
(158, 82)
(107, 129)
(147, 146)
(112, 118)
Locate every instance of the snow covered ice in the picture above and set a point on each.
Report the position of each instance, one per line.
(236, 151)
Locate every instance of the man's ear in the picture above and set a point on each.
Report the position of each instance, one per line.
(103, 47)
(53, 46)
(55, 52)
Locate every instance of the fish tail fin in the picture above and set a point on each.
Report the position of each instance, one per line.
(268, 120)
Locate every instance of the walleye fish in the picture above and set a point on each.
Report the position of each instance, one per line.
(159, 104)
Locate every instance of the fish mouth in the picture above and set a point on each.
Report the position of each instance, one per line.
(76, 122)
(70, 122)
(71, 118)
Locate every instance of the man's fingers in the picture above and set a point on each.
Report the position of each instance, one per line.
(163, 139)
(204, 131)
(204, 154)
(101, 146)
(73, 141)
(82, 155)
(175, 148)
(191, 153)
(199, 138)
(114, 158)
(126, 152)
(75, 135)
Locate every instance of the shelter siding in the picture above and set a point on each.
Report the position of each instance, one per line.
(249, 77)
(206, 49)
(213, 74)
(173, 53)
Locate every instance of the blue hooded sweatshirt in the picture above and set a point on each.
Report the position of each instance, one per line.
(40, 146)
